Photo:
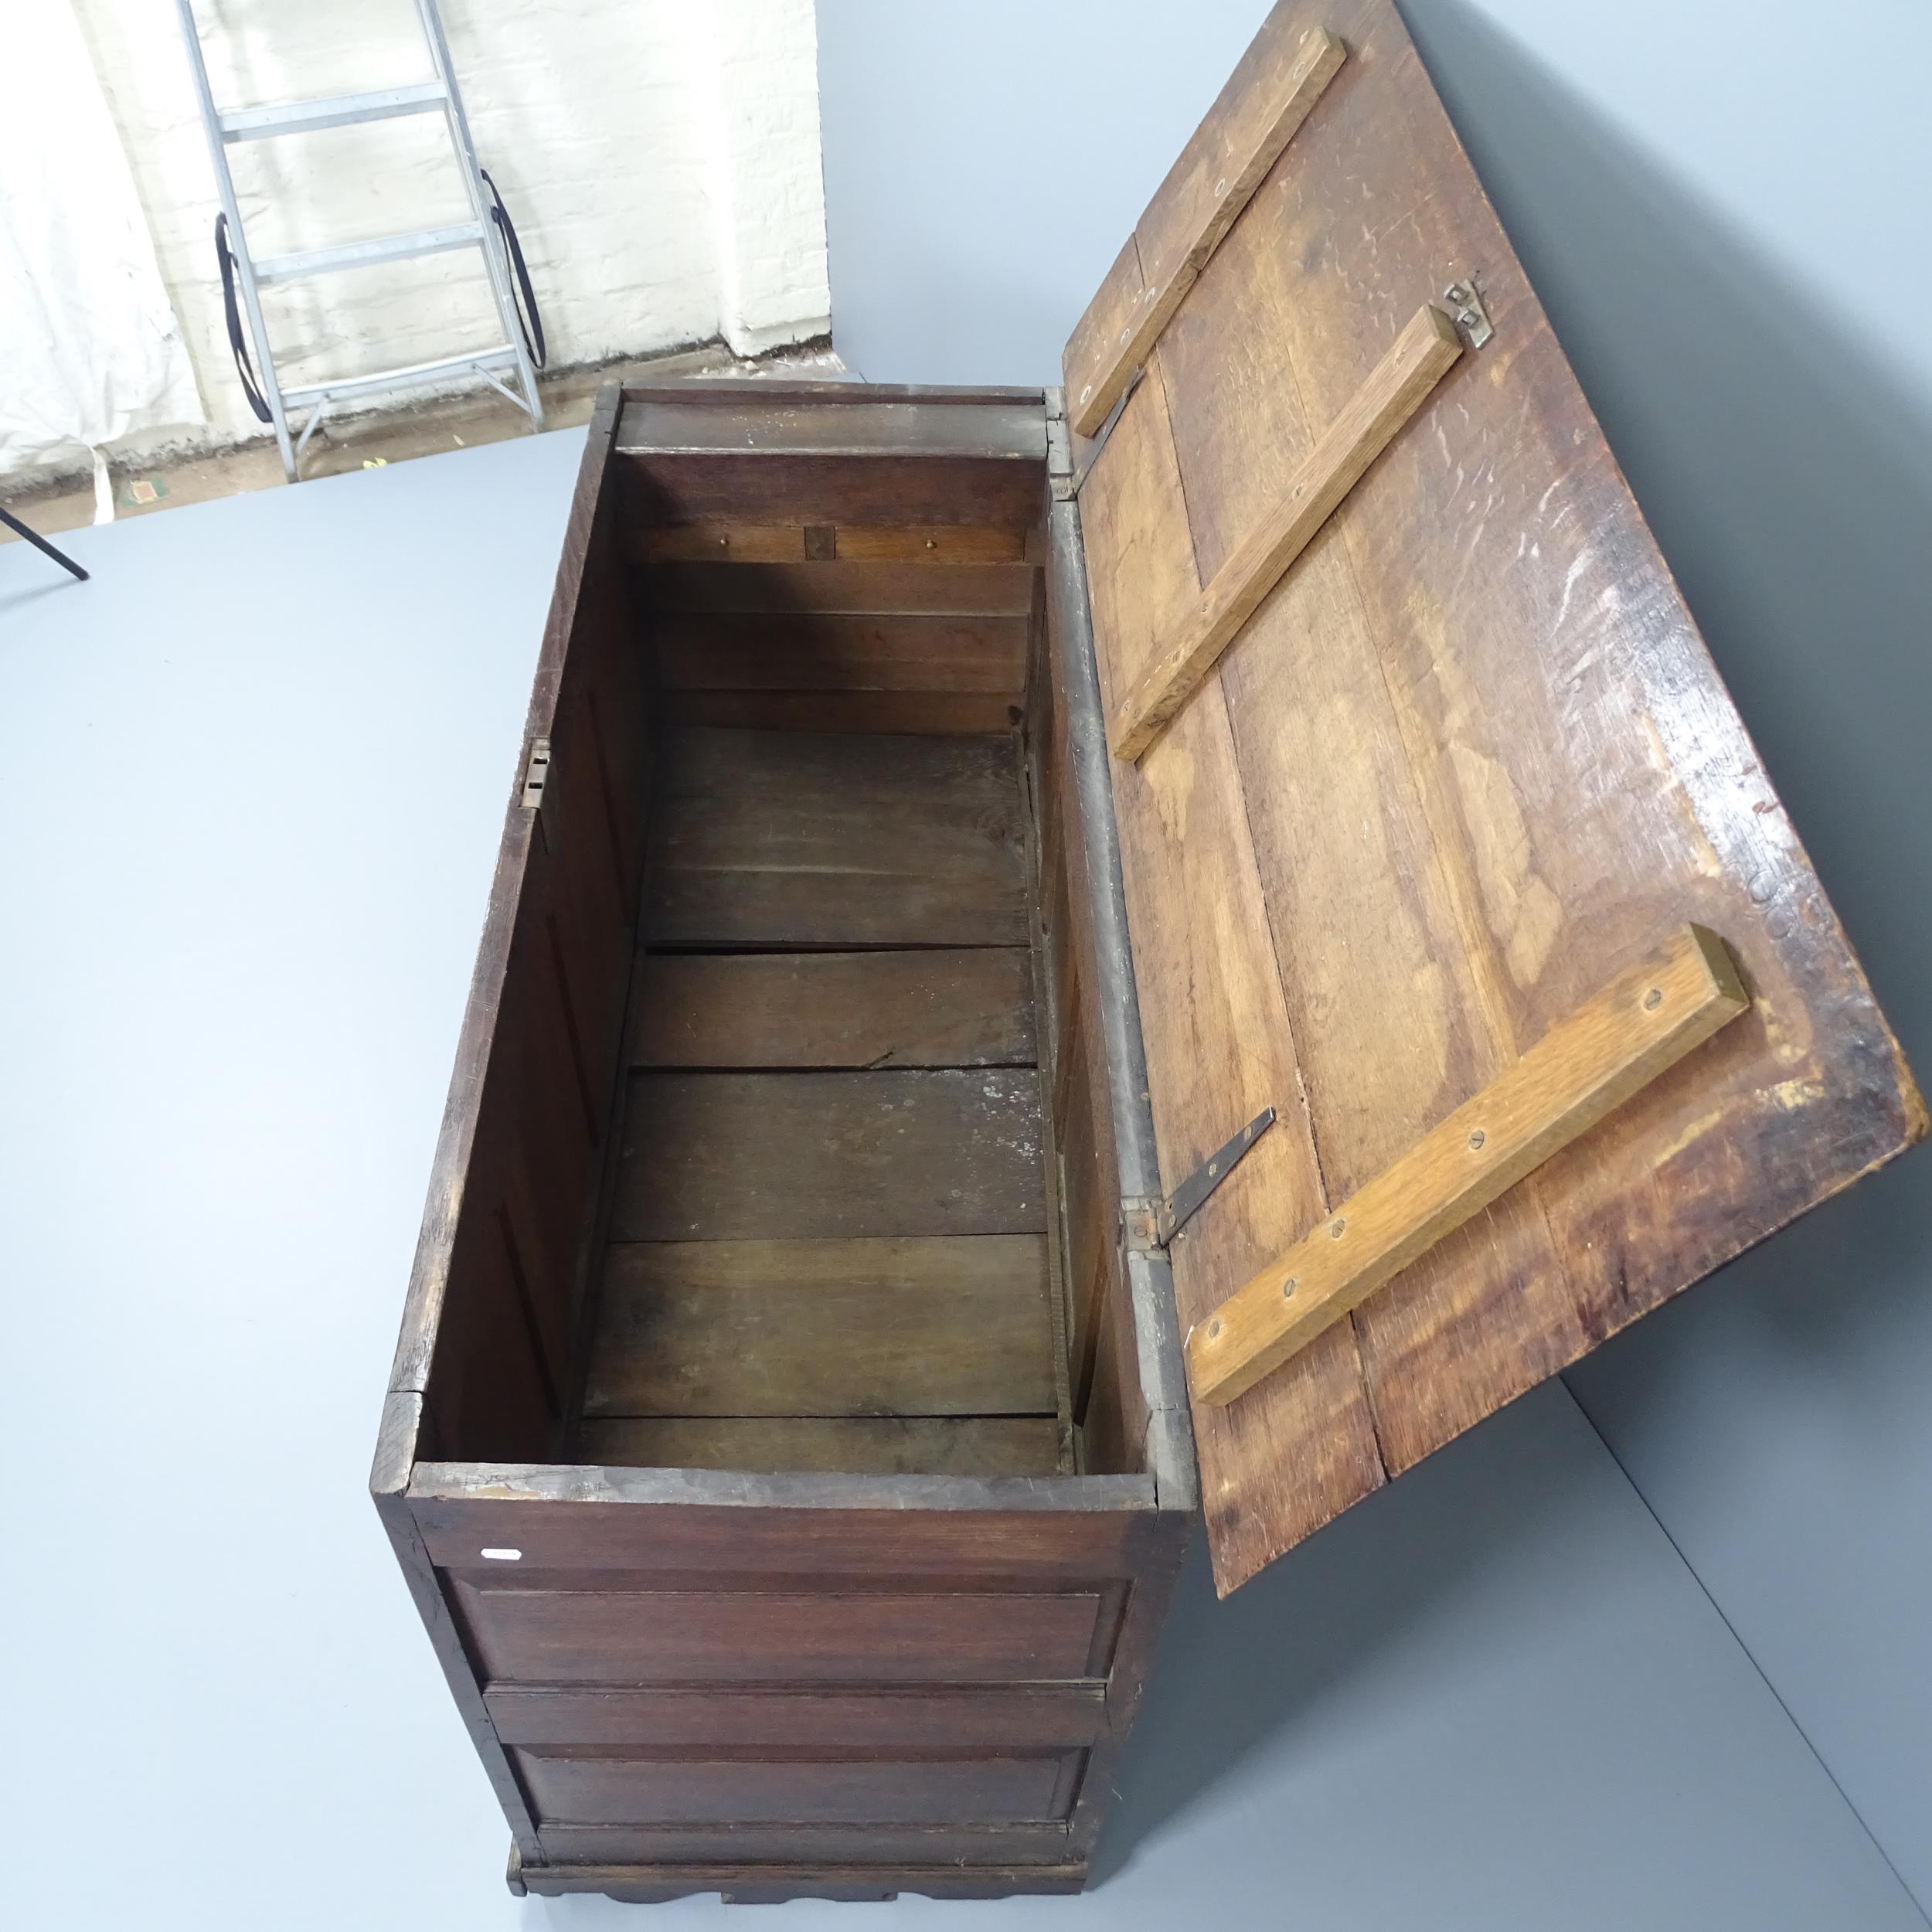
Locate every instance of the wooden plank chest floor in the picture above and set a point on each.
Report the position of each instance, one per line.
(955, 833)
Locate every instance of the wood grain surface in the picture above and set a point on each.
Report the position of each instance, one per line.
(692, 1789)
(937, 1007)
(1271, 93)
(1591, 1063)
(798, 840)
(897, 1445)
(1467, 760)
(573, 1635)
(1395, 389)
(929, 1326)
(723, 1157)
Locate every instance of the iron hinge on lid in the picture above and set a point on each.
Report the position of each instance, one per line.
(535, 774)
(1153, 1224)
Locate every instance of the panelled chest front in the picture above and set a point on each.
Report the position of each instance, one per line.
(1223, 910)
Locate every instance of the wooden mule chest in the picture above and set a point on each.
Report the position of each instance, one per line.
(1057, 959)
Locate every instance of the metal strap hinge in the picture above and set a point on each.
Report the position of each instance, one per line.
(1154, 1224)
(535, 774)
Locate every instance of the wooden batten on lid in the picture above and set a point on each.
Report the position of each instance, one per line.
(1425, 781)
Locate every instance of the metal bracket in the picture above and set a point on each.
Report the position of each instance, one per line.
(1465, 301)
(1155, 1223)
(535, 774)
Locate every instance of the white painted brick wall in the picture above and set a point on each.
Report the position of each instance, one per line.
(661, 158)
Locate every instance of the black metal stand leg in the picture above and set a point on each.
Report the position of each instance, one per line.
(40, 543)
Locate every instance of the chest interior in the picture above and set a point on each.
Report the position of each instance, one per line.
(794, 1164)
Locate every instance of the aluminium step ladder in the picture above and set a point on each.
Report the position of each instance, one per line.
(490, 230)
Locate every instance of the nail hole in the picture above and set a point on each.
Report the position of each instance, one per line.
(1336, 1228)
(1289, 1286)
(1477, 1138)
(1653, 999)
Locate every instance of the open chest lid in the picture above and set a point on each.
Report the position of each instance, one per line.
(1440, 836)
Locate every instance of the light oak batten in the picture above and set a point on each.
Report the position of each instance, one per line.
(1648, 1018)
(1398, 385)
(1150, 277)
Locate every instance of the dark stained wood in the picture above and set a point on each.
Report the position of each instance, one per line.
(883, 590)
(694, 1790)
(842, 650)
(751, 422)
(1012, 1717)
(1133, 1398)
(876, 1445)
(934, 1007)
(721, 1636)
(402, 1431)
(823, 1526)
(911, 1614)
(774, 1865)
(489, 1395)
(732, 540)
(1512, 720)
(927, 1327)
(430, 1276)
(864, 487)
(942, 714)
(928, 543)
(712, 454)
(790, 839)
(498, 1278)
(722, 1157)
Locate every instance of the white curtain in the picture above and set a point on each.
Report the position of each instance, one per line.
(90, 345)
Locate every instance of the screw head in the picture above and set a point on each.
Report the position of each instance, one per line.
(1476, 1141)
(1653, 999)
(1214, 1327)
(1214, 1167)
(1337, 1228)
(1289, 1286)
